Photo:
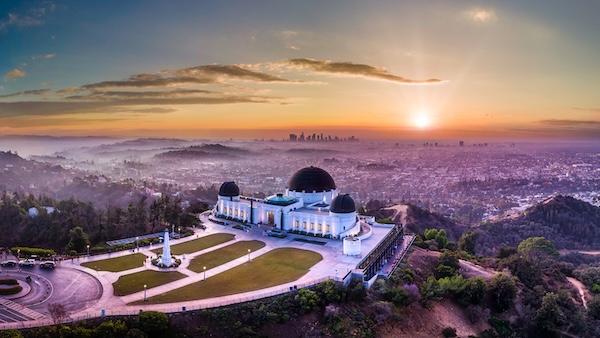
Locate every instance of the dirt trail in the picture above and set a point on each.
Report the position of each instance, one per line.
(399, 209)
(579, 286)
(593, 253)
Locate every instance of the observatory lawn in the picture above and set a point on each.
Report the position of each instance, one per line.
(278, 266)
(118, 263)
(198, 244)
(223, 255)
(135, 282)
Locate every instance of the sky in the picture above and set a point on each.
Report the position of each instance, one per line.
(247, 69)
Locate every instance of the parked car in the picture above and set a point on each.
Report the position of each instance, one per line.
(27, 262)
(48, 264)
(8, 263)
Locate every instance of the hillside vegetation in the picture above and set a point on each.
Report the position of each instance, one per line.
(567, 222)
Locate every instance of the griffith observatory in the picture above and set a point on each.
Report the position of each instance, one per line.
(310, 204)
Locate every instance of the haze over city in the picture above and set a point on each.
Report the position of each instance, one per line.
(385, 69)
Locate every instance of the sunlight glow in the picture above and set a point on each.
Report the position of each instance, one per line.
(421, 120)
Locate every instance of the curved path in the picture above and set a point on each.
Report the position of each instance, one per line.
(581, 288)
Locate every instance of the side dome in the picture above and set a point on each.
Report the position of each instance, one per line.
(342, 204)
(229, 189)
(311, 179)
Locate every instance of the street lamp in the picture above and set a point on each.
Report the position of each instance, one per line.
(88, 249)
(179, 232)
(204, 274)
(18, 254)
(145, 286)
(249, 255)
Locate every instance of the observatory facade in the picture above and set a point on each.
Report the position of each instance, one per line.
(310, 204)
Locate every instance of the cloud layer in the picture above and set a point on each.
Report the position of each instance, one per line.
(199, 85)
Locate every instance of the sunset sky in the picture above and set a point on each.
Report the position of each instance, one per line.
(245, 69)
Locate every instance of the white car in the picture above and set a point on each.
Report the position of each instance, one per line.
(27, 262)
(48, 264)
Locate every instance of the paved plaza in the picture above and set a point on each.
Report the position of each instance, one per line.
(94, 301)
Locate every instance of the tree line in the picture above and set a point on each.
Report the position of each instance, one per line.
(53, 230)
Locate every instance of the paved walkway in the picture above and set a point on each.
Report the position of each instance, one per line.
(334, 265)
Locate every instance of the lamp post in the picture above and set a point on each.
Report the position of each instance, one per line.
(204, 274)
(145, 286)
(18, 254)
(137, 244)
(88, 250)
(178, 232)
(249, 255)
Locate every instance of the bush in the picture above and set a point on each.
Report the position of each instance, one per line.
(503, 289)
(24, 251)
(152, 321)
(398, 296)
(110, 329)
(474, 291)
(10, 334)
(449, 332)
(8, 281)
(308, 300)
(330, 291)
(136, 333)
(11, 290)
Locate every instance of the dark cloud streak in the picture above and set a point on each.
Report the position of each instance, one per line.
(355, 69)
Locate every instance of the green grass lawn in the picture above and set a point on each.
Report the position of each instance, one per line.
(134, 282)
(276, 267)
(197, 244)
(118, 263)
(223, 255)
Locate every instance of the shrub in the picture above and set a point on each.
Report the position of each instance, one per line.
(136, 333)
(308, 300)
(11, 290)
(10, 334)
(8, 281)
(503, 289)
(474, 291)
(330, 291)
(449, 332)
(397, 295)
(110, 329)
(152, 321)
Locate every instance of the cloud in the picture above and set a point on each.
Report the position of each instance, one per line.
(15, 73)
(481, 15)
(592, 110)
(569, 123)
(44, 56)
(34, 17)
(17, 122)
(354, 69)
(27, 92)
(200, 85)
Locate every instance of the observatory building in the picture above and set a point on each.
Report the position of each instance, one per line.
(310, 204)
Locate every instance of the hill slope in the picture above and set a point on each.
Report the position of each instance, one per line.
(568, 222)
(417, 220)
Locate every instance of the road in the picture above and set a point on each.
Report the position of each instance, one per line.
(73, 288)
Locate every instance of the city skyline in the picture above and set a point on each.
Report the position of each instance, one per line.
(389, 69)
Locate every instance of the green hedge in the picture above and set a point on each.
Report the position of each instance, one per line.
(11, 290)
(8, 281)
(24, 251)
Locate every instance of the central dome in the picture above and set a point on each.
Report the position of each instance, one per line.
(311, 179)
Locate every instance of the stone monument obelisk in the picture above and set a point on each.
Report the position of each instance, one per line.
(166, 253)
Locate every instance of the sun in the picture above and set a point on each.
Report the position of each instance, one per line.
(421, 120)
